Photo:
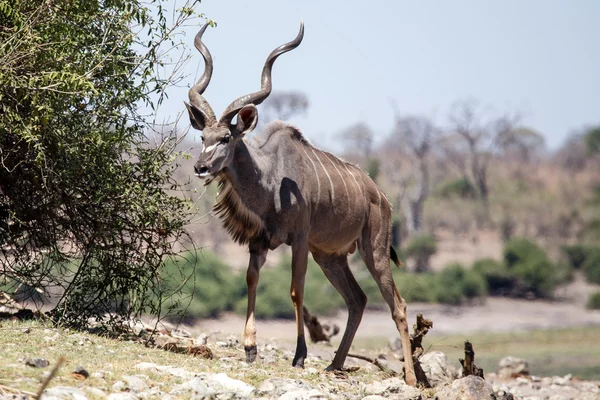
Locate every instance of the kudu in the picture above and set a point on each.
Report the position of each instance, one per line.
(277, 188)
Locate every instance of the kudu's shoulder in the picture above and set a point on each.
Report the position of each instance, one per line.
(281, 130)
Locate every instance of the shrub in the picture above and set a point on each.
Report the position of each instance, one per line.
(207, 285)
(591, 266)
(273, 292)
(519, 249)
(474, 285)
(576, 254)
(594, 301)
(500, 281)
(536, 275)
(420, 248)
(415, 287)
(454, 284)
(459, 187)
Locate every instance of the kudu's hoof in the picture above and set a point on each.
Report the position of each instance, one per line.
(298, 363)
(332, 368)
(301, 353)
(411, 382)
(250, 353)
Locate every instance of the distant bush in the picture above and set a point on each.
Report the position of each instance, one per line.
(520, 249)
(459, 187)
(416, 287)
(500, 281)
(594, 301)
(455, 284)
(536, 275)
(591, 266)
(576, 254)
(420, 248)
(207, 284)
(273, 293)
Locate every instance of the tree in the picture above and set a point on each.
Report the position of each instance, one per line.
(415, 138)
(85, 195)
(470, 144)
(572, 155)
(592, 140)
(521, 144)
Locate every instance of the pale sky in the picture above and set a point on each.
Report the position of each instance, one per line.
(538, 57)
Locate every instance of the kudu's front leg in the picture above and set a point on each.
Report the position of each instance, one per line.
(257, 260)
(299, 265)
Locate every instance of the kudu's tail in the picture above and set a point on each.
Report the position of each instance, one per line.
(394, 257)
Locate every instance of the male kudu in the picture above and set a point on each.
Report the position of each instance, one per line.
(277, 188)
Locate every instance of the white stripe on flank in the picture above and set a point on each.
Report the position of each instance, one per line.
(318, 181)
(209, 148)
(341, 176)
(326, 173)
(380, 216)
(353, 177)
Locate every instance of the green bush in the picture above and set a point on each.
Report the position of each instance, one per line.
(520, 249)
(416, 287)
(474, 285)
(576, 254)
(591, 266)
(207, 285)
(420, 248)
(273, 292)
(594, 301)
(500, 281)
(455, 284)
(536, 275)
(459, 187)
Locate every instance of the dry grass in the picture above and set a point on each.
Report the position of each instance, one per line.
(20, 341)
(549, 352)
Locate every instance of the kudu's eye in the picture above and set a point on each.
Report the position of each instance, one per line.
(202, 138)
(225, 139)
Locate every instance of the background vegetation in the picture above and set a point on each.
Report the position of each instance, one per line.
(94, 206)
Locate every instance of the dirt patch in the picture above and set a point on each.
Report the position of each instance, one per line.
(495, 315)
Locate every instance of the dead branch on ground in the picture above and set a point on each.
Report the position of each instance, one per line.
(316, 331)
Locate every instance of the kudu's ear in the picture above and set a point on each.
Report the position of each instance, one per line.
(247, 119)
(197, 117)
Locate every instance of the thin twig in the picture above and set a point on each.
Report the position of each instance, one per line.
(38, 396)
(14, 390)
(377, 363)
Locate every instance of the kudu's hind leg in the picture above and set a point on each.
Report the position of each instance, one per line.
(374, 249)
(299, 265)
(257, 260)
(337, 271)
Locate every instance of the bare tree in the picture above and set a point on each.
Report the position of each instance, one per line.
(470, 144)
(358, 142)
(572, 155)
(522, 144)
(415, 136)
(285, 105)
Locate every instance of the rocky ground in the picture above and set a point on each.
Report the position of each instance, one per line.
(220, 372)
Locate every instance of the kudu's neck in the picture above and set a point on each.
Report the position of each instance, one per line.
(248, 172)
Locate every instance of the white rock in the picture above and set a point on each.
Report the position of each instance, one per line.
(437, 368)
(95, 392)
(64, 392)
(233, 385)
(122, 396)
(302, 395)
(201, 340)
(135, 383)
